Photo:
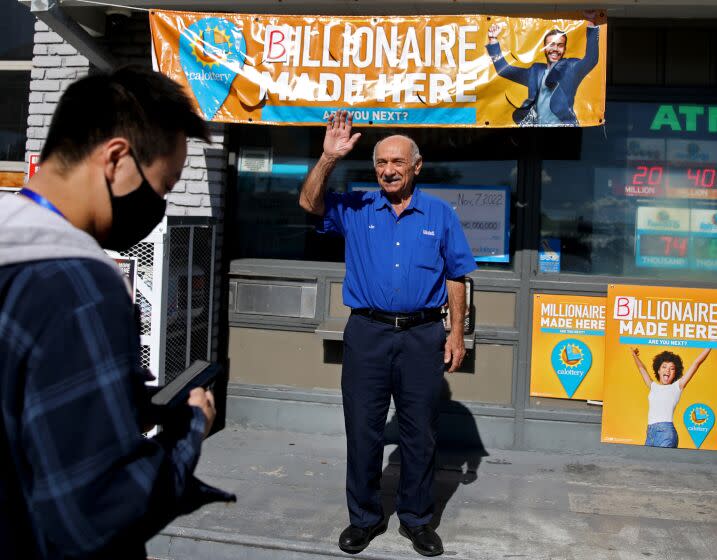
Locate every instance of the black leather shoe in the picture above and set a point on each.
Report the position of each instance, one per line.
(425, 540)
(354, 539)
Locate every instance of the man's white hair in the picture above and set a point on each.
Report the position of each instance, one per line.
(415, 153)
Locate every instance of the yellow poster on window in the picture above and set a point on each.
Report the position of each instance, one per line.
(660, 368)
(458, 70)
(568, 344)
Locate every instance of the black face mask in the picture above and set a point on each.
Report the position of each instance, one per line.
(134, 215)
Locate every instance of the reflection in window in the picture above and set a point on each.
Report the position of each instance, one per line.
(16, 46)
(16, 31)
(274, 161)
(642, 200)
(13, 115)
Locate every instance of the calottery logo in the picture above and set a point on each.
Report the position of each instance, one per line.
(699, 420)
(663, 220)
(212, 52)
(571, 360)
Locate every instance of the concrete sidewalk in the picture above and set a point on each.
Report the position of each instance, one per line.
(291, 505)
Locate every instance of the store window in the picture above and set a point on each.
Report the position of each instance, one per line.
(16, 45)
(642, 199)
(272, 163)
(653, 54)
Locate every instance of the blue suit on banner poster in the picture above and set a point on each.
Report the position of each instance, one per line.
(561, 83)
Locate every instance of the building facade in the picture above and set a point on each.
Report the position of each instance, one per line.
(278, 316)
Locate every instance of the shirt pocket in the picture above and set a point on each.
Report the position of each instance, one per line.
(427, 253)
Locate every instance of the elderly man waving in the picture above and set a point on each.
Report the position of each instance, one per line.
(406, 255)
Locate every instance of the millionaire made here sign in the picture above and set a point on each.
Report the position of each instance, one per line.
(459, 70)
(660, 385)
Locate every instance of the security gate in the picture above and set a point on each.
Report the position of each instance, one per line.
(175, 295)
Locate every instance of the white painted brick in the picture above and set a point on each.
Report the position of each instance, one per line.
(185, 199)
(46, 61)
(45, 85)
(180, 187)
(36, 120)
(37, 132)
(37, 73)
(39, 49)
(196, 187)
(203, 146)
(63, 49)
(61, 73)
(47, 120)
(47, 37)
(53, 96)
(33, 145)
(41, 108)
(192, 174)
(175, 210)
(197, 161)
(36, 97)
(41, 26)
(73, 61)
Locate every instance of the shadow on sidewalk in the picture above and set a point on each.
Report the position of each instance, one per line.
(460, 450)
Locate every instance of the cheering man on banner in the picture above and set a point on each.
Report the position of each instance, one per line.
(551, 85)
(406, 254)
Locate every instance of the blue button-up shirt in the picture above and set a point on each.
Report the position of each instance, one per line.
(397, 263)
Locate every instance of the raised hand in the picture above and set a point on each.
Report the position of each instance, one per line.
(590, 16)
(493, 32)
(338, 140)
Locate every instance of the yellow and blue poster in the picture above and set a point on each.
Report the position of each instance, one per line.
(660, 369)
(568, 347)
(457, 70)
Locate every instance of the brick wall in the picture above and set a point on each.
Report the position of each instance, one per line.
(201, 191)
(56, 64)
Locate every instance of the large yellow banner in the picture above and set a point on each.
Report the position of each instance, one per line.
(660, 383)
(460, 70)
(568, 347)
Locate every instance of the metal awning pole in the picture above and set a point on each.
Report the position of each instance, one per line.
(51, 13)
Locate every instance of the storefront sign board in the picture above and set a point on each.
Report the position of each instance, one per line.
(648, 326)
(458, 70)
(568, 344)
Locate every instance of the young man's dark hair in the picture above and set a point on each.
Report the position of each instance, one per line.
(667, 356)
(134, 102)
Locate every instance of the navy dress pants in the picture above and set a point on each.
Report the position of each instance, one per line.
(381, 361)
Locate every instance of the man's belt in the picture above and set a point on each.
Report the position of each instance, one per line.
(400, 320)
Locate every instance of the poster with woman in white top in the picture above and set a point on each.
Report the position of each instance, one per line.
(660, 384)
